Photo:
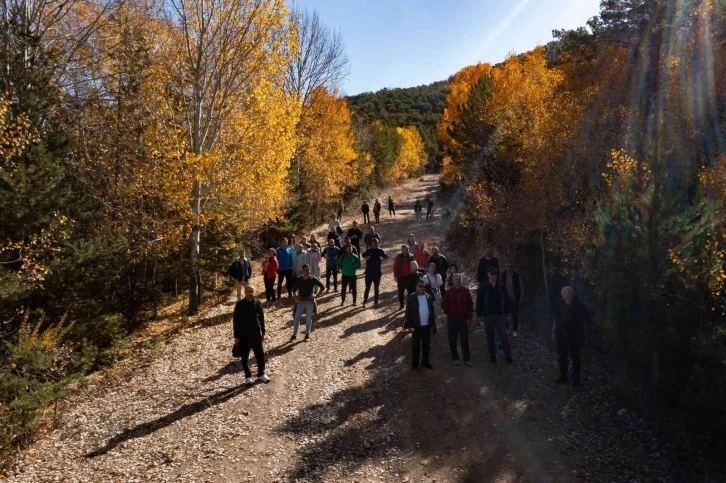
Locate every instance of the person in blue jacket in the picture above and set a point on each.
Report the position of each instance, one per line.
(285, 259)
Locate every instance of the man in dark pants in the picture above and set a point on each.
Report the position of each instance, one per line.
(568, 330)
(355, 234)
(420, 315)
(240, 271)
(401, 268)
(429, 208)
(488, 260)
(331, 254)
(285, 260)
(492, 305)
(374, 256)
(249, 332)
(459, 308)
(365, 209)
(512, 283)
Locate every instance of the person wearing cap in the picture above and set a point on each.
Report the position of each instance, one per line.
(568, 330)
(374, 257)
(420, 316)
(248, 324)
(492, 305)
(305, 301)
(514, 286)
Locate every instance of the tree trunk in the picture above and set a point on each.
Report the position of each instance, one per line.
(194, 289)
(544, 271)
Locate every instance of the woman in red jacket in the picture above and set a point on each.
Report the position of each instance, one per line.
(269, 273)
(421, 254)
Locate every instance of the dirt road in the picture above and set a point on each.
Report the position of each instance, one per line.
(344, 406)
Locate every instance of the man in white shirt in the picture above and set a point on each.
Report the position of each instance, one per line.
(421, 316)
(335, 224)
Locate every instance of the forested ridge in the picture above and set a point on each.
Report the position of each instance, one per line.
(141, 150)
(419, 106)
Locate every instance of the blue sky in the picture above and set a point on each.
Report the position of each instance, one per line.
(403, 43)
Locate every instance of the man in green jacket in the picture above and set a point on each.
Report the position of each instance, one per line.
(349, 263)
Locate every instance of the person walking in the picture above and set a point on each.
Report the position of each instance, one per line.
(391, 207)
(421, 255)
(374, 257)
(401, 268)
(488, 260)
(377, 211)
(365, 209)
(285, 261)
(305, 301)
(417, 210)
(459, 309)
(370, 236)
(420, 316)
(434, 286)
(341, 208)
(429, 208)
(248, 323)
(240, 272)
(349, 263)
(492, 305)
(512, 282)
(442, 264)
(269, 272)
(411, 242)
(355, 234)
(331, 254)
(568, 330)
(315, 258)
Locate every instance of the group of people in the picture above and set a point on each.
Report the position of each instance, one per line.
(427, 285)
(418, 208)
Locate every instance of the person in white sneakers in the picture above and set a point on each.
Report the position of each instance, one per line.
(249, 332)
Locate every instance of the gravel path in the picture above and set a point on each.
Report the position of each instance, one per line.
(344, 406)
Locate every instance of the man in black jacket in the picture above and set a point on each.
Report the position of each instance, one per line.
(249, 332)
(240, 271)
(512, 283)
(374, 257)
(568, 329)
(365, 209)
(355, 234)
(488, 260)
(442, 264)
(492, 304)
(421, 316)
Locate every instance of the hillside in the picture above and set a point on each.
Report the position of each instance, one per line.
(420, 106)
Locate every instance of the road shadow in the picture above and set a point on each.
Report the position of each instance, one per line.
(218, 319)
(235, 365)
(184, 411)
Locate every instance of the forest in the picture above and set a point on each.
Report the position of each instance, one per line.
(143, 145)
(617, 130)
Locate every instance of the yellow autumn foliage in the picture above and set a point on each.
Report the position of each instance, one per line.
(411, 156)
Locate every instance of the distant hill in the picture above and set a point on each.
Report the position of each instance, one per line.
(420, 106)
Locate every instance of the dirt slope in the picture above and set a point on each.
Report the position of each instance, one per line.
(343, 407)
